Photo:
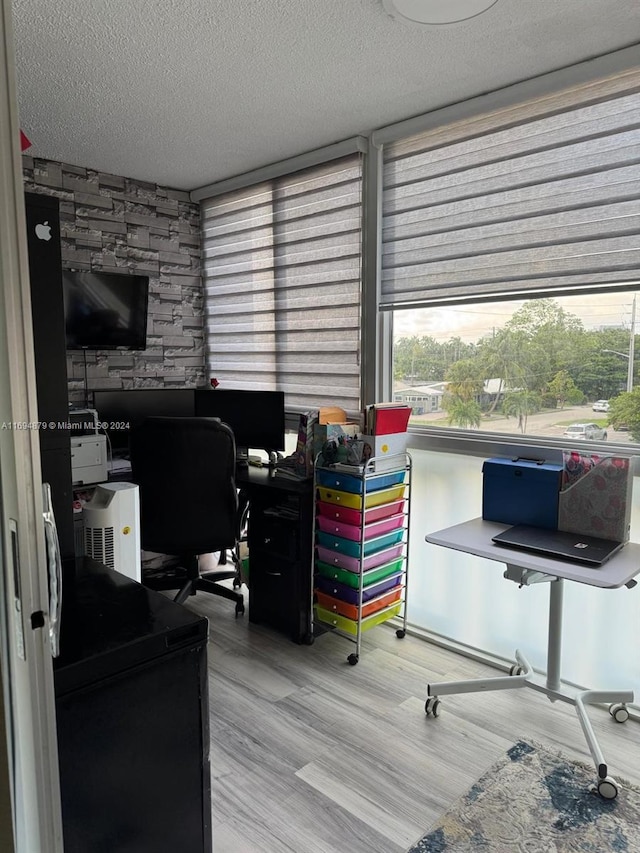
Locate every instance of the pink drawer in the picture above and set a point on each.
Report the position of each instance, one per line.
(352, 564)
(352, 531)
(354, 516)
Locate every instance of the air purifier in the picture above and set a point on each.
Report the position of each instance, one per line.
(112, 527)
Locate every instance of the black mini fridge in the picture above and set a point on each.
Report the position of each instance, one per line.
(132, 719)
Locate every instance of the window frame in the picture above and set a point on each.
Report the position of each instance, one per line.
(378, 346)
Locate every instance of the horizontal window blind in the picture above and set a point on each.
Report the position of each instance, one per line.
(282, 279)
(540, 197)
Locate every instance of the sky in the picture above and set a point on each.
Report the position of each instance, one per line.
(471, 322)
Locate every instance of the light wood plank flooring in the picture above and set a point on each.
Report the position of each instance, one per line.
(311, 755)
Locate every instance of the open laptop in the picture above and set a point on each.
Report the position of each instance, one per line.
(588, 550)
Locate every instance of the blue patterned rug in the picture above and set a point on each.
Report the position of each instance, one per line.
(534, 801)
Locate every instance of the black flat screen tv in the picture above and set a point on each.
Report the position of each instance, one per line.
(105, 310)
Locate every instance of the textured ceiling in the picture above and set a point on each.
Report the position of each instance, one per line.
(187, 92)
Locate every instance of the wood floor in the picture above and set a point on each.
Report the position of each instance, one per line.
(311, 755)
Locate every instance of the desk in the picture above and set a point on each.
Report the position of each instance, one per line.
(474, 537)
(280, 541)
(132, 717)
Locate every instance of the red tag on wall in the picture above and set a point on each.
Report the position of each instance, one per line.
(24, 142)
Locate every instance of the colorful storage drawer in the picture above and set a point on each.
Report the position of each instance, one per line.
(382, 496)
(353, 516)
(344, 576)
(350, 626)
(355, 484)
(352, 531)
(335, 558)
(351, 610)
(347, 593)
(355, 549)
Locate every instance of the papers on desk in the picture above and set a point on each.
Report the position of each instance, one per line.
(288, 469)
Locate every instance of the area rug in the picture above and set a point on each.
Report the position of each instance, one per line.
(535, 801)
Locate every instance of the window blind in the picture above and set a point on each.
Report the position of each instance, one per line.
(539, 197)
(282, 282)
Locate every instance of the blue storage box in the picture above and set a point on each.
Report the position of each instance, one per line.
(521, 491)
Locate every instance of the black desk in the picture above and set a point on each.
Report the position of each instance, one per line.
(132, 719)
(280, 541)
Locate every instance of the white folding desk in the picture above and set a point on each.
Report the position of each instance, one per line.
(474, 537)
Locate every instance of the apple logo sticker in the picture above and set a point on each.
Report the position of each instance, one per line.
(43, 231)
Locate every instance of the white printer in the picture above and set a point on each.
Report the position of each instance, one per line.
(88, 448)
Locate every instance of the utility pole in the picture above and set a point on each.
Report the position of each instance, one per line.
(632, 342)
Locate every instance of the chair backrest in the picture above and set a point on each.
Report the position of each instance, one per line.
(185, 469)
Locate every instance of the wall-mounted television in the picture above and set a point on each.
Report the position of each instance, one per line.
(105, 310)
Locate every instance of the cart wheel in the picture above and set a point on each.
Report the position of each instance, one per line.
(516, 669)
(432, 706)
(239, 609)
(308, 639)
(607, 788)
(400, 633)
(619, 712)
(353, 659)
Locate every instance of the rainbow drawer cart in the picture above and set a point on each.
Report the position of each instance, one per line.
(361, 547)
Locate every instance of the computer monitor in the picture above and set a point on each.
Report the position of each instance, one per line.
(121, 411)
(257, 418)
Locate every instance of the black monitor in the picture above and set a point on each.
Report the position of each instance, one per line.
(121, 411)
(257, 418)
(105, 310)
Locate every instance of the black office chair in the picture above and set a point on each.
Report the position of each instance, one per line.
(185, 469)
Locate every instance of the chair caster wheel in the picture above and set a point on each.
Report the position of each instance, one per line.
(239, 609)
(400, 633)
(432, 706)
(516, 669)
(607, 788)
(619, 712)
(353, 659)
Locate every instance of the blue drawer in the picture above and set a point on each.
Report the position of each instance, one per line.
(351, 483)
(353, 549)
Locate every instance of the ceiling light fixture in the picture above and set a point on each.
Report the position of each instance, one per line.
(429, 12)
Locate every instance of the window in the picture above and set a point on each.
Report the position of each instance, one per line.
(512, 237)
(510, 271)
(282, 276)
(542, 368)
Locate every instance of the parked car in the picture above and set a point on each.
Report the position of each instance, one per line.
(586, 432)
(601, 406)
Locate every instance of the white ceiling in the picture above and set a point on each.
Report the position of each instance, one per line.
(187, 92)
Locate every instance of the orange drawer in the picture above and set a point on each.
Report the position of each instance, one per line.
(335, 605)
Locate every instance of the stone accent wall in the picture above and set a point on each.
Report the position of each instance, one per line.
(109, 222)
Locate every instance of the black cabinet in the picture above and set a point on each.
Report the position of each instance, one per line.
(47, 310)
(281, 555)
(133, 721)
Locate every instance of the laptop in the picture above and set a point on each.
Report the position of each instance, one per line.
(560, 544)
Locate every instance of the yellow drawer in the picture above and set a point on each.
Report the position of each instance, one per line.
(377, 498)
(349, 626)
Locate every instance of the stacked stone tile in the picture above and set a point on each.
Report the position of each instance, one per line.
(114, 224)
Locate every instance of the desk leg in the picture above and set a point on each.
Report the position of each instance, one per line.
(554, 637)
(523, 676)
